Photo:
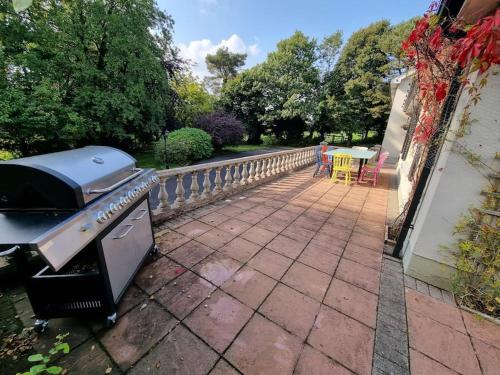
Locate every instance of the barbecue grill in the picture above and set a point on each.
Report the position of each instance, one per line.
(86, 214)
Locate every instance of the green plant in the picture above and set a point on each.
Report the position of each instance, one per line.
(269, 140)
(476, 282)
(43, 361)
(7, 155)
(184, 146)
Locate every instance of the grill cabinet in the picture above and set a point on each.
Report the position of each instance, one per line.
(86, 214)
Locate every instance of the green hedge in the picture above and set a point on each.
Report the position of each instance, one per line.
(184, 146)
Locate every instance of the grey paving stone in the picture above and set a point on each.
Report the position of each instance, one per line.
(448, 298)
(395, 311)
(396, 331)
(435, 292)
(387, 319)
(422, 287)
(392, 349)
(410, 282)
(383, 366)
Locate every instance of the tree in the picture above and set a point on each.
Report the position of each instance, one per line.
(357, 89)
(223, 65)
(85, 72)
(328, 51)
(193, 101)
(391, 43)
(292, 81)
(244, 97)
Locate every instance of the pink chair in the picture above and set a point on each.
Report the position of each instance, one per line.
(373, 170)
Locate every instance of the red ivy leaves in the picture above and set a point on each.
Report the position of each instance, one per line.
(482, 44)
(440, 89)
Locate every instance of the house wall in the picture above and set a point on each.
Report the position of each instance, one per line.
(453, 188)
(394, 134)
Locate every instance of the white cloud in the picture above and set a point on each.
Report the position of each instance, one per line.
(196, 51)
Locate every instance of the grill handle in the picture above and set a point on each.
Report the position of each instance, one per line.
(115, 185)
(130, 227)
(11, 251)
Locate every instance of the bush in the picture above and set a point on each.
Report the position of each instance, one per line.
(7, 155)
(269, 140)
(184, 146)
(224, 128)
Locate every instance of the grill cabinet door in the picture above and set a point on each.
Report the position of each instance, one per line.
(125, 247)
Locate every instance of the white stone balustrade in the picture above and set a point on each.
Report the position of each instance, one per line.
(237, 174)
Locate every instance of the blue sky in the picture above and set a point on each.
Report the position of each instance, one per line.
(255, 26)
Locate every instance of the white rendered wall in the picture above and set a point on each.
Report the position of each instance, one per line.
(394, 134)
(453, 188)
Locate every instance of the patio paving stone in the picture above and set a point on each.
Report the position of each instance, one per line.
(240, 249)
(132, 297)
(312, 360)
(434, 309)
(264, 348)
(217, 268)
(249, 286)
(359, 275)
(286, 246)
(193, 229)
(489, 357)
(373, 243)
(180, 352)
(190, 253)
(234, 226)
(215, 238)
(251, 217)
(214, 218)
(422, 365)
(354, 350)
(270, 263)
(319, 259)
(257, 235)
(307, 280)
(223, 368)
(219, 320)
(325, 246)
(87, 359)
(136, 332)
(156, 274)
(170, 241)
(290, 309)
(363, 256)
(353, 301)
(442, 344)
(181, 296)
(482, 329)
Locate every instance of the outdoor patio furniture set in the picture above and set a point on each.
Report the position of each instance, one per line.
(338, 162)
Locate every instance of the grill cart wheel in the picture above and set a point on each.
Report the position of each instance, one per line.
(154, 250)
(111, 320)
(40, 325)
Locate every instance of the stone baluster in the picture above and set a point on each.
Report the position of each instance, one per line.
(258, 163)
(179, 192)
(218, 181)
(244, 173)
(282, 163)
(236, 179)
(195, 188)
(228, 179)
(163, 194)
(268, 167)
(273, 165)
(207, 186)
(287, 162)
(294, 160)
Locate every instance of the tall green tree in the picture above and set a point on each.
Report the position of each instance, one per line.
(193, 100)
(82, 72)
(358, 89)
(223, 65)
(391, 43)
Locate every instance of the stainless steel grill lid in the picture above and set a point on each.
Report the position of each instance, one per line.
(63, 180)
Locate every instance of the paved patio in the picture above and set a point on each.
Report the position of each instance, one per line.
(289, 277)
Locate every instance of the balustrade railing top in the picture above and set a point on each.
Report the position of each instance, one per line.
(220, 179)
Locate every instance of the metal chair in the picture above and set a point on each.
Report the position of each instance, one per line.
(323, 162)
(373, 170)
(342, 163)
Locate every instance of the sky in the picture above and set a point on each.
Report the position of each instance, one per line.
(256, 26)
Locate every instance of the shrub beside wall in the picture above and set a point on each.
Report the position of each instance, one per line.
(184, 146)
(224, 128)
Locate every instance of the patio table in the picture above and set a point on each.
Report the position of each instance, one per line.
(362, 155)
